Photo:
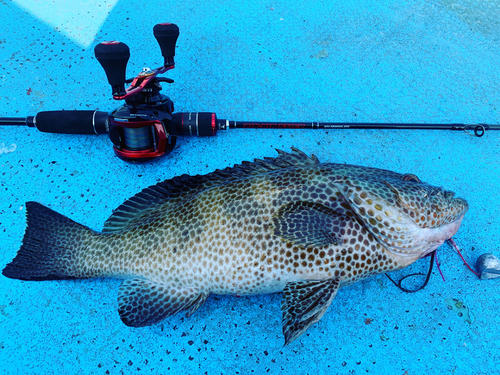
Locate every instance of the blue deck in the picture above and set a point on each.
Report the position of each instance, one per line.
(361, 61)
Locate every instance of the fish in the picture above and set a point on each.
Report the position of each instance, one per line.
(287, 224)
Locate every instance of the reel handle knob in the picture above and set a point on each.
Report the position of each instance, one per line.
(113, 56)
(166, 34)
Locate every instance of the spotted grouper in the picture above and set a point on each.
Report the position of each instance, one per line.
(287, 224)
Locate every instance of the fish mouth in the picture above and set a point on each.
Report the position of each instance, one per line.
(408, 220)
(437, 236)
(456, 209)
(418, 240)
(462, 204)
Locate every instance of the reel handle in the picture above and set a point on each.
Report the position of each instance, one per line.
(113, 56)
(166, 34)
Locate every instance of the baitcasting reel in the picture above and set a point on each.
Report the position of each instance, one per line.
(144, 127)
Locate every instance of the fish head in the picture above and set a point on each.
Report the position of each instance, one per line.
(407, 216)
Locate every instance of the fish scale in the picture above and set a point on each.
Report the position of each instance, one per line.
(288, 224)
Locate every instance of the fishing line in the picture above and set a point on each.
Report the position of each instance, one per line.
(452, 243)
(438, 266)
(398, 284)
(433, 256)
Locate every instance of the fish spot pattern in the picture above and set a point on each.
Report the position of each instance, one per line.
(286, 224)
(255, 228)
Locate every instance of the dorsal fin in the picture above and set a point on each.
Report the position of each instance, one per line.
(141, 207)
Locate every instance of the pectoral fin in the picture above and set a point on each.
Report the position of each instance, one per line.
(309, 224)
(144, 302)
(304, 303)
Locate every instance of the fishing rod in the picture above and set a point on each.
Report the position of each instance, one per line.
(146, 127)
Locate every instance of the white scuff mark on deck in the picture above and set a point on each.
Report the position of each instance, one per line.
(80, 21)
(7, 149)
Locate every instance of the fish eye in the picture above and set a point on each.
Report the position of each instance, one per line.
(410, 177)
(429, 191)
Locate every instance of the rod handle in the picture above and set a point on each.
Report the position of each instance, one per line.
(72, 122)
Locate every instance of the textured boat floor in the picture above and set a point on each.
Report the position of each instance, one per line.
(362, 61)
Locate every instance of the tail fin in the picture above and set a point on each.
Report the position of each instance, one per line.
(51, 247)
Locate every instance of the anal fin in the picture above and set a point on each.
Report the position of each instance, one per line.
(143, 302)
(304, 303)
